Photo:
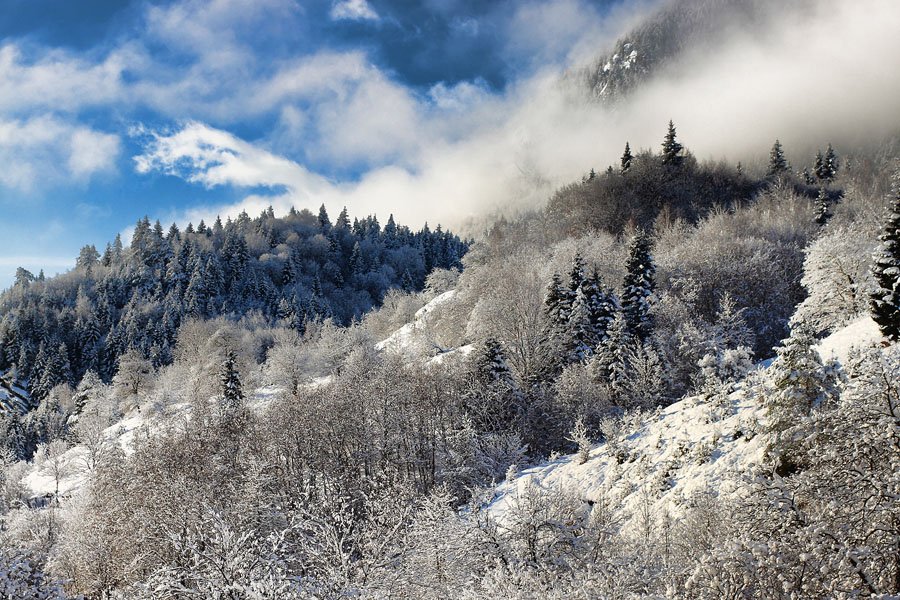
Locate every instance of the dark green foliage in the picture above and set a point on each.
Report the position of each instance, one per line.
(671, 154)
(638, 287)
(230, 383)
(137, 298)
(626, 158)
(778, 164)
(649, 189)
(823, 210)
(885, 300)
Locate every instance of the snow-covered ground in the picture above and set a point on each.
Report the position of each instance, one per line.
(694, 446)
(410, 337)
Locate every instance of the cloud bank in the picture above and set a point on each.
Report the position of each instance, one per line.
(455, 153)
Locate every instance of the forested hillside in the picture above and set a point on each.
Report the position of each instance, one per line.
(131, 301)
(322, 462)
(674, 377)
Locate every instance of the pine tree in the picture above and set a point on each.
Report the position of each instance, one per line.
(230, 383)
(555, 304)
(590, 318)
(576, 278)
(819, 167)
(580, 329)
(609, 364)
(671, 154)
(822, 209)
(831, 164)
(885, 299)
(638, 287)
(626, 159)
(343, 220)
(603, 307)
(778, 164)
(324, 221)
(800, 381)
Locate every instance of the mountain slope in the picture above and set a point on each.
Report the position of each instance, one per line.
(693, 447)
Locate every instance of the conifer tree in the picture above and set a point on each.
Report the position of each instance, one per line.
(555, 306)
(626, 159)
(885, 299)
(576, 278)
(609, 363)
(801, 381)
(343, 220)
(230, 383)
(671, 154)
(324, 221)
(580, 329)
(831, 164)
(778, 164)
(638, 287)
(823, 213)
(819, 167)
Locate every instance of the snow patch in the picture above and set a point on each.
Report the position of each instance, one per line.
(862, 333)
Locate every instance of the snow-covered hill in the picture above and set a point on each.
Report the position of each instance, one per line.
(695, 446)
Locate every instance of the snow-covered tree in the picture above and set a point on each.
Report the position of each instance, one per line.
(638, 286)
(885, 299)
(671, 154)
(230, 382)
(800, 381)
(778, 164)
(823, 210)
(627, 157)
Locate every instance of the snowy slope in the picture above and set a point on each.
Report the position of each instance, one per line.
(411, 338)
(693, 446)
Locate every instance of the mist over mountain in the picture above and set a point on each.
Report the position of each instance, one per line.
(630, 329)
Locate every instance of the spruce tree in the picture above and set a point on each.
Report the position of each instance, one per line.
(831, 164)
(580, 329)
(638, 287)
(823, 212)
(884, 301)
(801, 381)
(778, 164)
(626, 159)
(324, 221)
(576, 278)
(671, 148)
(610, 362)
(819, 167)
(230, 383)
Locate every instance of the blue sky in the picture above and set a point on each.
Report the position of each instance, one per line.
(433, 110)
(91, 93)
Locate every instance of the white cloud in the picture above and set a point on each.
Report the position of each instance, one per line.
(462, 151)
(354, 10)
(211, 157)
(56, 81)
(48, 150)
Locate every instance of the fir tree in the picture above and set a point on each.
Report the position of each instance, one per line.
(324, 221)
(638, 287)
(823, 213)
(580, 329)
(885, 299)
(610, 363)
(778, 164)
(671, 154)
(819, 167)
(800, 381)
(626, 158)
(576, 278)
(230, 383)
(831, 164)
(555, 304)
